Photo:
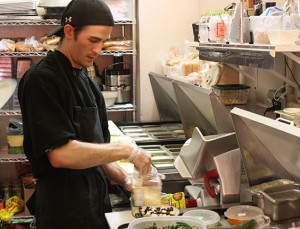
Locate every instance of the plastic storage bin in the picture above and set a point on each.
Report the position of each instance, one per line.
(232, 93)
(261, 25)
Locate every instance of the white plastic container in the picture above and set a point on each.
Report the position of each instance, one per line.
(261, 25)
(165, 221)
(110, 97)
(283, 37)
(210, 218)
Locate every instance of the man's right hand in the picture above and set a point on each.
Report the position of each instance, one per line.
(142, 162)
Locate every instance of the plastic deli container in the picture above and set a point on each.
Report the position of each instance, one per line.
(243, 213)
(232, 93)
(210, 218)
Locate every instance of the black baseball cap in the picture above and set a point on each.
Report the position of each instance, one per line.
(85, 12)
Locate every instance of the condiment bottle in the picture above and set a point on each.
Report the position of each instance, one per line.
(17, 189)
(6, 191)
(146, 188)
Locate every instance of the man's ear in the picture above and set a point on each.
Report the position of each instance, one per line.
(69, 31)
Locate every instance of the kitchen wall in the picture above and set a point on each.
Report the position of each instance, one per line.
(162, 24)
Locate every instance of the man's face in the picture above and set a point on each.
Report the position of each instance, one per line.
(88, 45)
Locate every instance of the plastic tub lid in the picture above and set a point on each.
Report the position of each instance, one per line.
(243, 212)
(207, 216)
(230, 86)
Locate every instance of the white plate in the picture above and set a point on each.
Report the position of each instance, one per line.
(7, 88)
(292, 110)
(165, 221)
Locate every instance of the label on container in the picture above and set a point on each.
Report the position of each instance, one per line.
(138, 196)
(220, 29)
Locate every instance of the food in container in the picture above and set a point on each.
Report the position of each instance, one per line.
(166, 221)
(243, 213)
(146, 189)
(231, 94)
(210, 218)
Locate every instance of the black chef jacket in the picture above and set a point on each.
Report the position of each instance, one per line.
(47, 108)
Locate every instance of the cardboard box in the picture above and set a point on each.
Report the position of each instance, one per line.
(27, 194)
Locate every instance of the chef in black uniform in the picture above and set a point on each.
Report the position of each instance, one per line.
(66, 136)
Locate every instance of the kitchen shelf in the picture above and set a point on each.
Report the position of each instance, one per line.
(118, 21)
(250, 55)
(5, 113)
(32, 54)
(5, 157)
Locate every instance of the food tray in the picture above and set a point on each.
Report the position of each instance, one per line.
(232, 93)
(165, 221)
(282, 202)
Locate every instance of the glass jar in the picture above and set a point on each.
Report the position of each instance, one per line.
(17, 189)
(146, 189)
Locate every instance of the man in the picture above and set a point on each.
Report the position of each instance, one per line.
(66, 128)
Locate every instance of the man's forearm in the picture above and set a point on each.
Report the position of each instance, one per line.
(81, 155)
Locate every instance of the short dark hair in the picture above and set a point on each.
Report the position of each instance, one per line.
(77, 30)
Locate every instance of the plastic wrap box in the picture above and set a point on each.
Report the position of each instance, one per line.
(231, 94)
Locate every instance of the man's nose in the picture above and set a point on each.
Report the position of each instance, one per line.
(97, 49)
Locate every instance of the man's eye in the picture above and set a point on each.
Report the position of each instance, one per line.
(94, 40)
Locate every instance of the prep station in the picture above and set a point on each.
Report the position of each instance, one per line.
(221, 156)
(230, 158)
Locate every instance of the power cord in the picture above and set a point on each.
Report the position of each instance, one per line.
(286, 64)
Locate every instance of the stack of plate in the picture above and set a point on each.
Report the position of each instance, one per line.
(20, 7)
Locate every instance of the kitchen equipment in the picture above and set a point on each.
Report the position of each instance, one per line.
(281, 202)
(164, 96)
(23, 64)
(7, 88)
(270, 149)
(216, 157)
(124, 93)
(54, 8)
(200, 107)
(210, 218)
(119, 79)
(165, 221)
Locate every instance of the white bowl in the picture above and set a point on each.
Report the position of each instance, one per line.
(110, 97)
(165, 221)
(283, 37)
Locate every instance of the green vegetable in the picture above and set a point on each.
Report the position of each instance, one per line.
(248, 225)
(179, 225)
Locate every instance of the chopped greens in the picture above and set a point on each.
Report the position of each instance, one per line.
(179, 225)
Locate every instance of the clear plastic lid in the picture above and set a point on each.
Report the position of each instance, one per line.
(207, 216)
(243, 212)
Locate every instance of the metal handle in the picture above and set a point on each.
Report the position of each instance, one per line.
(210, 175)
(286, 121)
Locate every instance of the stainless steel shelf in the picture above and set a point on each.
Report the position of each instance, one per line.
(120, 107)
(12, 22)
(28, 22)
(115, 52)
(31, 54)
(258, 56)
(5, 113)
(5, 157)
